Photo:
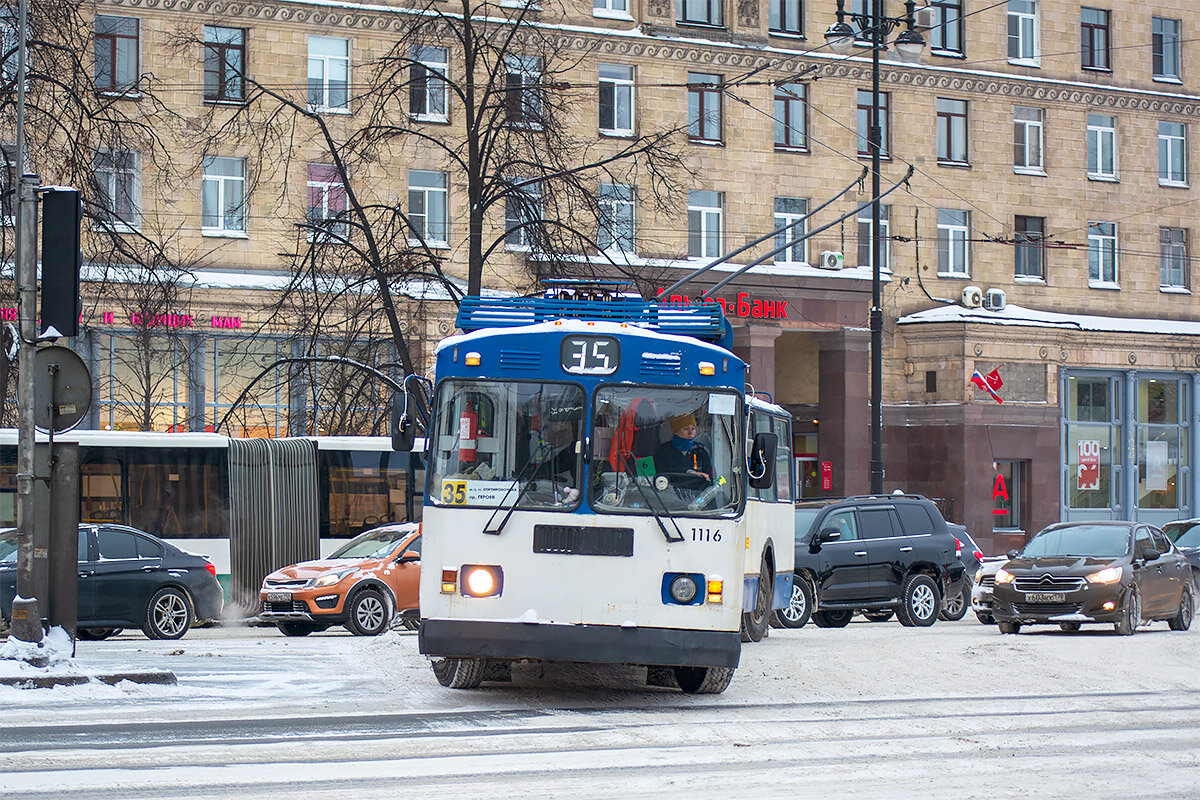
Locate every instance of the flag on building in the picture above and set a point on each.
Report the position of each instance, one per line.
(990, 383)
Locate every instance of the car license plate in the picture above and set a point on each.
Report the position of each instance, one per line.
(279, 597)
(1045, 597)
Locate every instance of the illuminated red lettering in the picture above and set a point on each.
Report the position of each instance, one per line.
(743, 305)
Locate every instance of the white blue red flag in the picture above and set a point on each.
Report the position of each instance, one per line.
(990, 383)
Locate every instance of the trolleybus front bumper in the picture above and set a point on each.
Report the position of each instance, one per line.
(600, 644)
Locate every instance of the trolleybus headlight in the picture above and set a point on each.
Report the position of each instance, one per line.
(481, 581)
(683, 589)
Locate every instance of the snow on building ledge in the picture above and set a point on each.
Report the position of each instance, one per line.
(1031, 318)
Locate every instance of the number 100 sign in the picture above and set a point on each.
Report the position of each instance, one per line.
(1088, 475)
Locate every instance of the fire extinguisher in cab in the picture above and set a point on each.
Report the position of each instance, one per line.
(468, 426)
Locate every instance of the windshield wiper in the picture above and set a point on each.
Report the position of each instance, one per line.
(650, 506)
(519, 481)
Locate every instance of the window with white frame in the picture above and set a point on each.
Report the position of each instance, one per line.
(864, 123)
(522, 214)
(326, 202)
(946, 35)
(223, 198)
(116, 53)
(1102, 147)
(1165, 49)
(789, 211)
(865, 251)
(701, 12)
(610, 8)
(616, 100)
(428, 206)
(1027, 139)
(1023, 31)
(617, 217)
(1173, 258)
(787, 17)
(523, 92)
(1094, 39)
(704, 107)
(704, 223)
(118, 187)
(1102, 253)
(951, 131)
(428, 92)
(1030, 247)
(328, 73)
(224, 64)
(954, 243)
(791, 124)
(1172, 153)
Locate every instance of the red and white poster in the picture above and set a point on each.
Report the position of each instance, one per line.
(1088, 478)
(826, 476)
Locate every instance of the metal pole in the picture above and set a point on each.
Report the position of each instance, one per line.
(875, 136)
(26, 621)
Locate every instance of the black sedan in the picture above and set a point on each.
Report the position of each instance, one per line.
(1072, 573)
(1185, 533)
(128, 579)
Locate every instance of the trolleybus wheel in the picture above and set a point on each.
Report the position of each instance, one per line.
(459, 673)
(703, 680)
(756, 621)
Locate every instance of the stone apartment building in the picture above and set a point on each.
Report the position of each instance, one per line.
(1051, 147)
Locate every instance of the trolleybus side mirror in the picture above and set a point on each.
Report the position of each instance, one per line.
(404, 425)
(762, 461)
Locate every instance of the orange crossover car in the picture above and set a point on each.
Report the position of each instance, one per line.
(361, 585)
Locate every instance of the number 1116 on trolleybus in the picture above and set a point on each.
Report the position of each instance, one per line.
(600, 489)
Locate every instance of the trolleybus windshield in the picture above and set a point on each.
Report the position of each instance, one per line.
(500, 443)
(656, 448)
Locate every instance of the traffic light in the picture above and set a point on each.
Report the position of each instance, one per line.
(62, 212)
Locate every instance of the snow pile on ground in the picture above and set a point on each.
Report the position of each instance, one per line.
(56, 647)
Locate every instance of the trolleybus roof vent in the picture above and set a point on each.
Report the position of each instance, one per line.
(701, 320)
(661, 364)
(520, 359)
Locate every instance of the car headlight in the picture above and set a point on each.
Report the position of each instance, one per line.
(1004, 576)
(1106, 575)
(331, 578)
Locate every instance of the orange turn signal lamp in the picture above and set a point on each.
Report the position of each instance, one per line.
(449, 581)
(715, 590)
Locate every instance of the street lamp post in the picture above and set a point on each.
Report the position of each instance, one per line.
(909, 44)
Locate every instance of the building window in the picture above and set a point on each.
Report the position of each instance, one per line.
(1093, 440)
(1023, 31)
(1162, 442)
(864, 123)
(704, 224)
(946, 35)
(428, 207)
(787, 17)
(1102, 147)
(1027, 139)
(327, 202)
(864, 238)
(616, 100)
(1030, 247)
(616, 218)
(860, 13)
(223, 200)
(704, 107)
(1172, 153)
(791, 124)
(1093, 39)
(428, 90)
(523, 96)
(701, 12)
(119, 187)
(1165, 38)
(224, 63)
(522, 214)
(8, 184)
(1102, 253)
(604, 8)
(954, 249)
(328, 73)
(951, 131)
(1173, 258)
(789, 210)
(9, 42)
(116, 53)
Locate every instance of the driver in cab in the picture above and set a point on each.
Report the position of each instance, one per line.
(682, 454)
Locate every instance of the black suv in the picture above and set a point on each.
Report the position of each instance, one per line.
(875, 553)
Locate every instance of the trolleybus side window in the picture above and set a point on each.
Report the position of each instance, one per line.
(658, 448)
(507, 442)
(761, 423)
(784, 479)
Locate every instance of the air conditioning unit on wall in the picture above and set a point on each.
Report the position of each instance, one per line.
(994, 300)
(830, 259)
(972, 296)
